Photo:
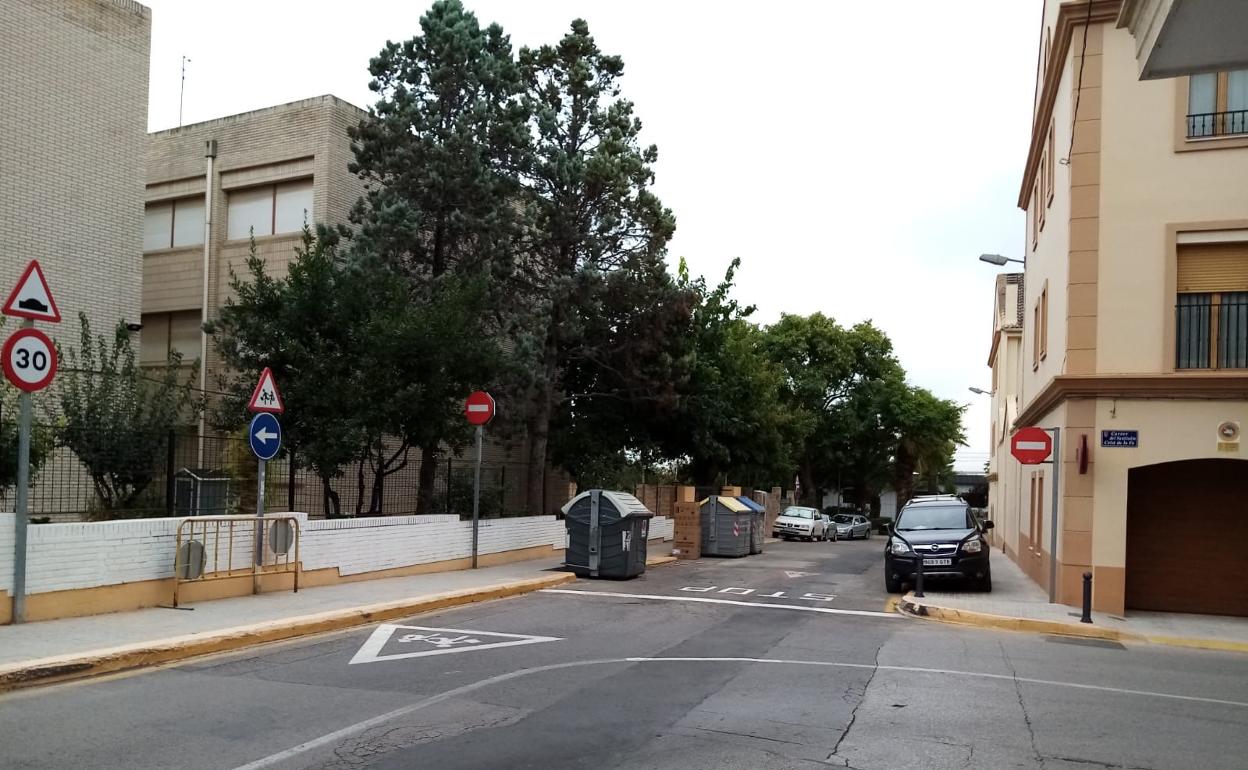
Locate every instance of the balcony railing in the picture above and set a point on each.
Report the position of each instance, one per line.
(1210, 334)
(1217, 124)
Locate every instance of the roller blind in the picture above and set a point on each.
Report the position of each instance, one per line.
(1213, 267)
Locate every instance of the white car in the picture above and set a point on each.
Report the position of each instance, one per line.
(802, 523)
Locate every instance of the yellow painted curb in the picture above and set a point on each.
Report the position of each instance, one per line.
(908, 605)
(659, 561)
(111, 660)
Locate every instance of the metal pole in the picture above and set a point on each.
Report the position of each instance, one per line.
(476, 497)
(255, 570)
(210, 155)
(21, 515)
(1057, 472)
(1087, 598)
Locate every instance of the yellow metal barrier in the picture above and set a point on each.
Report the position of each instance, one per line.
(222, 547)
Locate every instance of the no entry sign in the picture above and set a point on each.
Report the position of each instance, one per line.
(479, 408)
(1031, 445)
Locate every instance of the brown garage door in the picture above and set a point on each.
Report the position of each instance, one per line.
(1187, 537)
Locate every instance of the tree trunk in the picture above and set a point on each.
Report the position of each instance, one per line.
(539, 420)
(330, 502)
(427, 480)
(809, 492)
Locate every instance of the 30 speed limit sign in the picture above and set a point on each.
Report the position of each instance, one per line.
(29, 360)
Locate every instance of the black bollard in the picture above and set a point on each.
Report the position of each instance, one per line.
(918, 580)
(1087, 598)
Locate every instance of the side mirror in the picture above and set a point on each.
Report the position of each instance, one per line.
(988, 524)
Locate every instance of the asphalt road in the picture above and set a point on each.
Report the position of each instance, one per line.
(785, 660)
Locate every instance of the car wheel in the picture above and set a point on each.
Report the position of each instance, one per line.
(892, 585)
(867, 536)
(985, 584)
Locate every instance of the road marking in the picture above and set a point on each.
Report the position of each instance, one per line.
(793, 574)
(381, 719)
(705, 600)
(739, 591)
(436, 641)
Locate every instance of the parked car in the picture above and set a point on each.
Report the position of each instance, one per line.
(851, 526)
(947, 535)
(800, 522)
(830, 528)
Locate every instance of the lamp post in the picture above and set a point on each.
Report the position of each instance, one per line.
(999, 260)
(981, 391)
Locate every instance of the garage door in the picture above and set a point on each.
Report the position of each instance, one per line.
(1187, 537)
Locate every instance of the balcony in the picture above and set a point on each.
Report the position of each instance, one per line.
(1206, 124)
(1211, 331)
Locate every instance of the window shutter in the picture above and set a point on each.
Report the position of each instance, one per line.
(1207, 267)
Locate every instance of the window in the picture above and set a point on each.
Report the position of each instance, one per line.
(1052, 168)
(1217, 104)
(269, 210)
(1044, 321)
(173, 224)
(1043, 190)
(1035, 214)
(1211, 310)
(166, 333)
(1035, 336)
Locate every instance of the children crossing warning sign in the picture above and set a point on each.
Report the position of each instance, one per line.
(266, 397)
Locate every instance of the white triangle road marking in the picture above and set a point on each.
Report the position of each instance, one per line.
(437, 641)
(792, 574)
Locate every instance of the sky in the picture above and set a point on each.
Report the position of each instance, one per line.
(857, 157)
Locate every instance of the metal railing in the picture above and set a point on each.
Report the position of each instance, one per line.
(1217, 123)
(235, 546)
(1211, 332)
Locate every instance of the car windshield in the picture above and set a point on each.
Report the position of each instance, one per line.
(934, 517)
(798, 513)
(843, 519)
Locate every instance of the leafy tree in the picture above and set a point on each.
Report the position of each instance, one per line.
(591, 210)
(116, 416)
(729, 421)
(309, 329)
(928, 430)
(441, 150)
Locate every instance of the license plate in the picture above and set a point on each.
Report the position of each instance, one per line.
(937, 562)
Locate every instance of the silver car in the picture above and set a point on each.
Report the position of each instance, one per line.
(852, 526)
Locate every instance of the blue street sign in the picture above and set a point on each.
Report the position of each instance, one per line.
(265, 435)
(1124, 438)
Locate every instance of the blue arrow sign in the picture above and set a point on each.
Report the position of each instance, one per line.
(265, 435)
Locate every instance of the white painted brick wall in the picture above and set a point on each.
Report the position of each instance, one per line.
(85, 555)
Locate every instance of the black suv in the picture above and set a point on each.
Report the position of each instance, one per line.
(946, 535)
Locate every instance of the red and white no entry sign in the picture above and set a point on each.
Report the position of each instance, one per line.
(1031, 445)
(29, 360)
(479, 408)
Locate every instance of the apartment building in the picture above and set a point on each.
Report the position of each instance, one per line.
(1135, 326)
(73, 76)
(212, 186)
(1005, 360)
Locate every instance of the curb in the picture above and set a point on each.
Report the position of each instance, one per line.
(67, 668)
(907, 605)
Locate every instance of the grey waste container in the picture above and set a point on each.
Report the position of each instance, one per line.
(725, 526)
(607, 534)
(758, 520)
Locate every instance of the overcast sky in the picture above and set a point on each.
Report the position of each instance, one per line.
(858, 157)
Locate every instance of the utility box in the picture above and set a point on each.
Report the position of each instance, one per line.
(758, 524)
(607, 534)
(725, 526)
(201, 492)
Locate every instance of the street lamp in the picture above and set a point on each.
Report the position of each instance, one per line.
(981, 391)
(999, 260)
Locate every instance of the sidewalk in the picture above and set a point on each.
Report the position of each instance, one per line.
(73, 648)
(1016, 603)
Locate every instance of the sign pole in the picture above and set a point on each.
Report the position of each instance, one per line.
(21, 516)
(476, 497)
(1057, 472)
(255, 583)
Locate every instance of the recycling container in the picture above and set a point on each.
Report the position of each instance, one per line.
(607, 534)
(725, 526)
(758, 521)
